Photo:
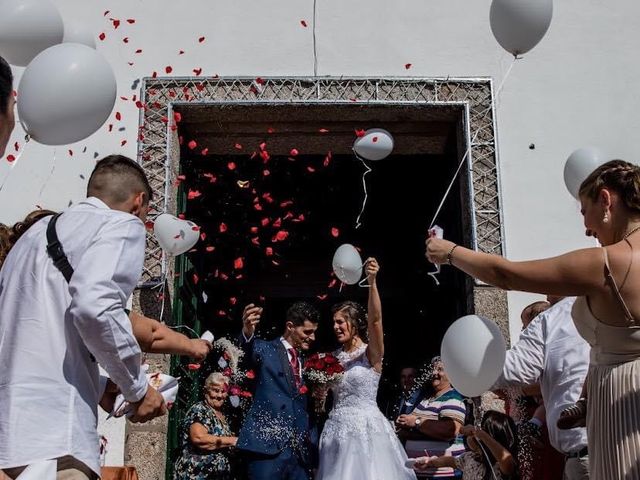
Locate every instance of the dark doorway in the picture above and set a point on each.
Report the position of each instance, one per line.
(309, 186)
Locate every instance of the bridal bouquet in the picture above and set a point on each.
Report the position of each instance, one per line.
(323, 369)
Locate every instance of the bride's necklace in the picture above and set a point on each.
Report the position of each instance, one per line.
(631, 232)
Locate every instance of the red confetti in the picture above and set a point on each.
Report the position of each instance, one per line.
(192, 144)
(238, 146)
(205, 151)
(131, 21)
(231, 165)
(223, 227)
(70, 153)
(193, 366)
(233, 300)
(193, 194)
(303, 389)
(253, 229)
(210, 249)
(360, 133)
(294, 152)
(407, 66)
(168, 69)
(260, 81)
(124, 98)
(265, 156)
(222, 313)
(139, 104)
(332, 283)
(203, 235)
(102, 36)
(238, 263)
(271, 130)
(257, 207)
(201, 39)
(281, 236)
(277, 223)
(16, 146)
(255, 241)
(327, 159)
(123, 143)
(177, 117)
(138, 50)
(149, 225)
(197, 71)
(195, 279)
(322, 297)
(118, 116)
(268, 251)
(323, 130)
(11, 158)
(125, 40)
(266, 173)
(250, 374)
(303, 23)
(106, 12)
(310, 169)
(374, 139)
(263, 145)
(116, 23)
(335, 232)
(265, 221)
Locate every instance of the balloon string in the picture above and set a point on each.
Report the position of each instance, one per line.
(453, 180)
(364, 187)
(466, 153)
(53, 168)
(15, 162)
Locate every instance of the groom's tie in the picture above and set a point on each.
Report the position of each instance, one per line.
(295, 366)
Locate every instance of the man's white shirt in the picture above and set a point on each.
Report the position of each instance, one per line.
(50, 331)
(552, 352)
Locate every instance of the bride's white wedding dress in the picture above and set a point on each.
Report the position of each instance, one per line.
(358, 442)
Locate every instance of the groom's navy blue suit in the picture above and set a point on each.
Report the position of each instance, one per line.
(277, 433)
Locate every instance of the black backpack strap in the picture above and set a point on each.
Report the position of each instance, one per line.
(55, 250)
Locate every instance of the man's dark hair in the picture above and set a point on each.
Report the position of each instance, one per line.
(115, 178)
(6, 85)
(301, 311)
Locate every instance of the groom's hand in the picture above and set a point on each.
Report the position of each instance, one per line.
(250, 318)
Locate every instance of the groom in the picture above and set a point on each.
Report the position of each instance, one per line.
(277, 435)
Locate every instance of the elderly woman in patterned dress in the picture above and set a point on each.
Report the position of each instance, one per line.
(206, 437)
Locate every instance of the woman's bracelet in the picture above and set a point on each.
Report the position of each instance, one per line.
(450, 254)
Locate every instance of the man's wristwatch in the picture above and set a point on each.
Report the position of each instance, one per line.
(416, 427)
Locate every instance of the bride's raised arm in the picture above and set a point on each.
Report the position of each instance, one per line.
(375, 351)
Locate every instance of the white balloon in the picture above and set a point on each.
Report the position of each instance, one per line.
(175, 235)
(473, 352)
(579, 166)
(519, 25)
(28, 27)
(79, 33)
(347, 264)
(66, 94)
(375, 144)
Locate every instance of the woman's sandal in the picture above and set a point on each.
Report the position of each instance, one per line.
(574, 416)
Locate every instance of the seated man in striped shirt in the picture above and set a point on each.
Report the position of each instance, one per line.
(436, 419)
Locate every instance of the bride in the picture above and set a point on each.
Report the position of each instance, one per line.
(358, 442)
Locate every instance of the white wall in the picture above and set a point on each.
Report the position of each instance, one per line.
(576, 88)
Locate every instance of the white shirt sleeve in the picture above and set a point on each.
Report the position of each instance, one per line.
(102, 281)
(524, 362)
